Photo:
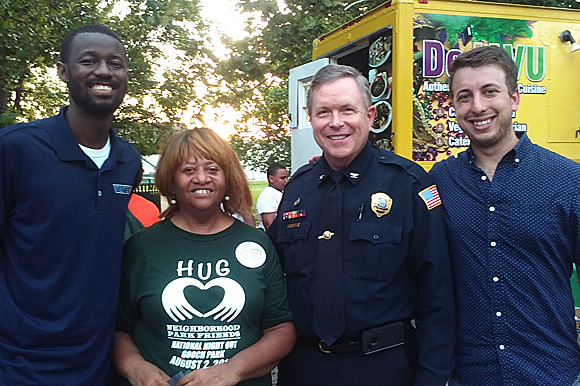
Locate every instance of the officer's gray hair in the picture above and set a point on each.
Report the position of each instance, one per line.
(332, 72)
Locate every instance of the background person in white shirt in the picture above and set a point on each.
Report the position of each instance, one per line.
(269, 199)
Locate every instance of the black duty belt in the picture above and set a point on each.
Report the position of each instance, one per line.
(342, 345)
(369, 341)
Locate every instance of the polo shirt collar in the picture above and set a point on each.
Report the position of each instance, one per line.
(67, 148)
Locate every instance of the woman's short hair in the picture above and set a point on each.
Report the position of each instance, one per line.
(203, 143)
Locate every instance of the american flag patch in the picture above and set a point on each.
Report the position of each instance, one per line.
(431, 197)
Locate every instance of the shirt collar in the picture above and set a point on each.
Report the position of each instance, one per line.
(514, 156)
(522, 148)
(66, 147)
(353, 172)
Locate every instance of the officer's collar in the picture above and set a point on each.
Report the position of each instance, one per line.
(353, 172)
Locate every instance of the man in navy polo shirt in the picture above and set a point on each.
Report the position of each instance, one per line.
(65, 183)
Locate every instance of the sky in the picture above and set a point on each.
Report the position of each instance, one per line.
(225, 15)
(226, 19)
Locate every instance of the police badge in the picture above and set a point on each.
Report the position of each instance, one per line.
(381, 204)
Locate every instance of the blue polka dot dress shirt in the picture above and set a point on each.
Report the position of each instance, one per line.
(513, 241)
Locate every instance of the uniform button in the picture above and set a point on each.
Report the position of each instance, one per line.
(496, 279)
(498, 313)
(517, 160)
(501, 347)
(376, 237)
(492, 208)
(483, 178)
(99, 193)
(493, 243)
(382, 157)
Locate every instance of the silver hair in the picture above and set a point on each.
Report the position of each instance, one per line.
(332, 72)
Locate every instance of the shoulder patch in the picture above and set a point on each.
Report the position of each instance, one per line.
(430, 196)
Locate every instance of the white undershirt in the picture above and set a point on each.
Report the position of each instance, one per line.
(99, 156)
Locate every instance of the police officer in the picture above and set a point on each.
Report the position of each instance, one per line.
(361, 236)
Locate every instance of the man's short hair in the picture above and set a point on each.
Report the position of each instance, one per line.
(332, 72)
(486, 55)
(66, 45)
(273, 169)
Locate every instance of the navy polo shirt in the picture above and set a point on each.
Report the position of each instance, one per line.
(513, 241)
(61, 236)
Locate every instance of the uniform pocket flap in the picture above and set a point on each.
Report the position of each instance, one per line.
(290, 232)
(376, 233)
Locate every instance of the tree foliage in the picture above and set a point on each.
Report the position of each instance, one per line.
(271, 143)
(286, 39)
(29, 32)
(165, 46)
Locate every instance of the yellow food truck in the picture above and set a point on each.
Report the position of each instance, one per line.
(405, 48)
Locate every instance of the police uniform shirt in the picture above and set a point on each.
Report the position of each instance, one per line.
(396, 264)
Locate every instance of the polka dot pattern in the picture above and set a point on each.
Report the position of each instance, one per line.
(513, 241)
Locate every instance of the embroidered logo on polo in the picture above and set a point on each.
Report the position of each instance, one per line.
(122, 189)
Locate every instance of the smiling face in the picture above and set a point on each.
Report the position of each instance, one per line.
(484, 106)
(96, 73)
(340, 121)
(200, 186)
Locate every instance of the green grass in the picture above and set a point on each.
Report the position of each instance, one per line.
(256, 188)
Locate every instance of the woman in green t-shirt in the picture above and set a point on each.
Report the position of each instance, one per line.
(203, 299)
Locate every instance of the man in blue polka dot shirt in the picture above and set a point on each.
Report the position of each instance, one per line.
(512, 210)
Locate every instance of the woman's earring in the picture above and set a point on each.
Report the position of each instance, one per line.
(227, 198)
(173, 200)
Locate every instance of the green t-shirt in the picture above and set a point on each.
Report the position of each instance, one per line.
(132, 225)
(193, 301)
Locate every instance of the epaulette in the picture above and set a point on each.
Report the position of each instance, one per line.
(411, 168)
(303, 169)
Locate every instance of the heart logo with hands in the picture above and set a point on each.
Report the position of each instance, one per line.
(178, 307)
